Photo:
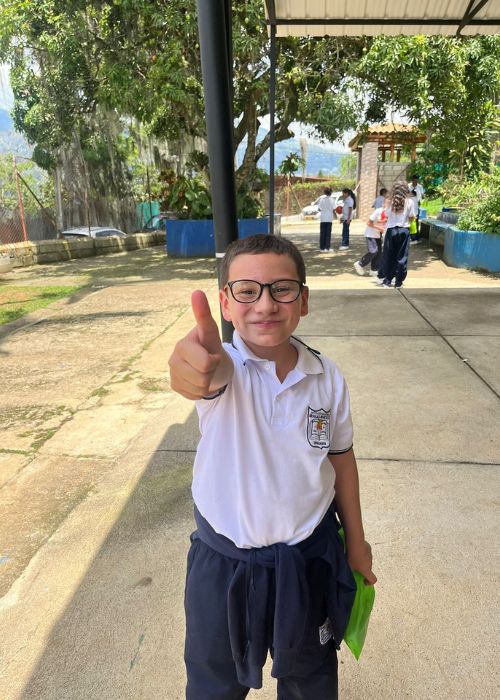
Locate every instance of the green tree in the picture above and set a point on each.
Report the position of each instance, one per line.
(290, 165)
(348, 165)
(448, 87)
(75, 63)
(98, 73)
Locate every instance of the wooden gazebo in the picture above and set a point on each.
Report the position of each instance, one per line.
(379, 153)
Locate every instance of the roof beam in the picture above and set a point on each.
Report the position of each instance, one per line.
(271, 12)
(472, 9)
(402, 21)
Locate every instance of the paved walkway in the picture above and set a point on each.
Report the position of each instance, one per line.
(96, 457)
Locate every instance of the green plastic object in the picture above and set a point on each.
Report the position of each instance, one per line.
(357, 626)
(413, 227)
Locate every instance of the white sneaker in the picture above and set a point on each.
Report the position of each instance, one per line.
(359, 269)
(373, 273)
(379, 281)
(330, 250)
(344, 247)
(386, 286)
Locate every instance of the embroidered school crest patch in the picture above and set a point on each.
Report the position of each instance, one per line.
(318, 427)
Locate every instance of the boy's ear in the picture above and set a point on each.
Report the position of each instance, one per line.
(304, 309)
(224, 304)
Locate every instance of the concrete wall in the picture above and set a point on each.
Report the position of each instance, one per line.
(38, 253)
(390, 172)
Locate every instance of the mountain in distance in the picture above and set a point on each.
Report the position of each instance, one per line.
(322, 158)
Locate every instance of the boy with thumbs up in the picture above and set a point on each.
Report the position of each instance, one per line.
(266, 568)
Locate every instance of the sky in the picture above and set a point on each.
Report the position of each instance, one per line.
(6, 97)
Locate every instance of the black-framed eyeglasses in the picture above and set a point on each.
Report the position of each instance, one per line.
(249, 291)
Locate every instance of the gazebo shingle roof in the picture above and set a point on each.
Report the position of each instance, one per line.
(387, 134)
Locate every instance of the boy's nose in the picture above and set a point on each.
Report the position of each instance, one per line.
(266, 301)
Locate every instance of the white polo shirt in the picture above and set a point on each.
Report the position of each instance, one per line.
(400, 218)
(262, 473)
(348, 204)
(325, 204)
(370, 231)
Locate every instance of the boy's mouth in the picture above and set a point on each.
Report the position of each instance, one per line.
(266, 324)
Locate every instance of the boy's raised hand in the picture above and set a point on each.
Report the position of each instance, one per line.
(199, 357)
(206, 327)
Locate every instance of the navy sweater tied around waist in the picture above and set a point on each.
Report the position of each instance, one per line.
(252, 591)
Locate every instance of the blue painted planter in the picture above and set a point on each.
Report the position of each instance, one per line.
(190, 238)
(474, 250)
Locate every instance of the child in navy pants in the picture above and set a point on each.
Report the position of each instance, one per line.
(397, 238)
(267, 572)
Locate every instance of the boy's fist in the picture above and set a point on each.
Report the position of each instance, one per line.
(197, 357)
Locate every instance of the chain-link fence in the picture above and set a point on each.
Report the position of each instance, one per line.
(23, 217)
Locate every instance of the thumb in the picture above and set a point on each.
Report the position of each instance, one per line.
(208, 331)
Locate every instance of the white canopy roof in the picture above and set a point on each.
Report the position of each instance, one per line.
(390, 17)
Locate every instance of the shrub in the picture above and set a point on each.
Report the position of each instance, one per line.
(482, 216)
(480, 200)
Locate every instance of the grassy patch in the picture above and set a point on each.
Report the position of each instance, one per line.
(102, 391)
(432, 206)
(41, 438)
(35, 414)
(16, 301)
(153, 385)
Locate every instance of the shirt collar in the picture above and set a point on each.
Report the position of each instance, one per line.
(308, 361)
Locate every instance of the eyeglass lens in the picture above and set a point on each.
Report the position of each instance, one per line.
(248, 291)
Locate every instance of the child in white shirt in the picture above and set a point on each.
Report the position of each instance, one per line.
(397, 238)
(374, 228)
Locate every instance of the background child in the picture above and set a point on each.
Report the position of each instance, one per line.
(266, 568)
(397, 237)
(416, 193)
(379, 201)
(373, 232)
(347, 210)
(326, 207)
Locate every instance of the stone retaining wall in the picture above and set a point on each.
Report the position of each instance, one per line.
(37, 253)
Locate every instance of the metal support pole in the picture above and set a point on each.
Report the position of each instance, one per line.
(272, 109)
(214, 29)
(20, 199)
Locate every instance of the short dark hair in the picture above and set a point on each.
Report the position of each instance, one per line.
(383, 191)
(328, 191)
(257, 245)
(414, 177)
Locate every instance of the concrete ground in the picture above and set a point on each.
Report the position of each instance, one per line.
(96, 457)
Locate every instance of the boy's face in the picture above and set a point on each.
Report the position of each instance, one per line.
(265, 324)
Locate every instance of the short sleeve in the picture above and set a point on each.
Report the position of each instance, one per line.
(342, 436)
